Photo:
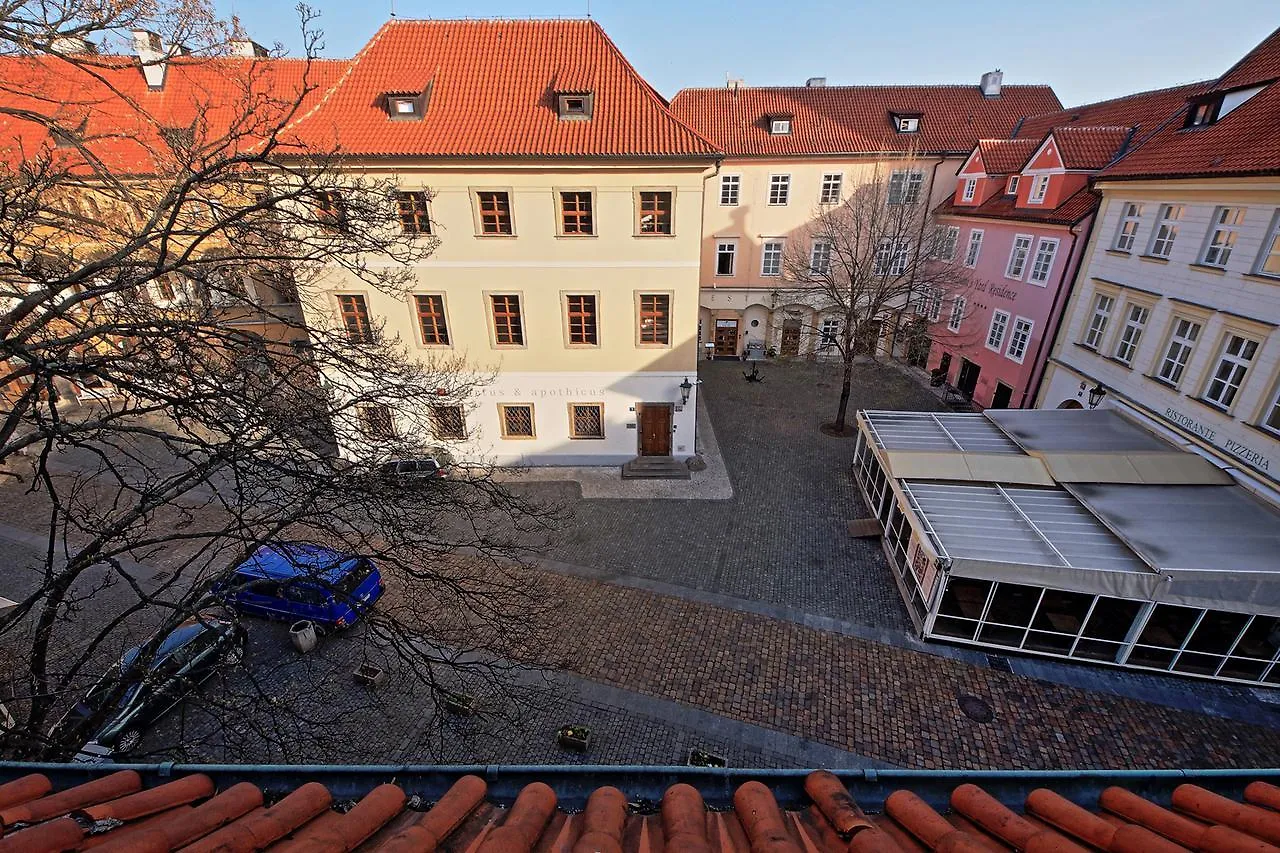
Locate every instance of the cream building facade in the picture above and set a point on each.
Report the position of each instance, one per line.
(567, 202)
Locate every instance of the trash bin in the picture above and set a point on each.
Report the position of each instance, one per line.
(303, 635)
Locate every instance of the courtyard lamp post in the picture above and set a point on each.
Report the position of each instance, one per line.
(686, 388)
(1096, 393)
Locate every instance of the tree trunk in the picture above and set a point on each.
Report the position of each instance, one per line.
(843, 408)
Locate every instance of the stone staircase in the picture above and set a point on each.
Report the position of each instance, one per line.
(655, 468)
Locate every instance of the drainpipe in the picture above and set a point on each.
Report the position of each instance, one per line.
(1063, 292)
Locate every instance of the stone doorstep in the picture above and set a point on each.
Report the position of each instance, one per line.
(655, 468)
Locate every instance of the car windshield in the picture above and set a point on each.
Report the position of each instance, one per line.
(177, 638)
(351, 581)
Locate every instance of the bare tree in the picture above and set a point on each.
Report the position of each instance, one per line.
(165, 410)
(880, 257)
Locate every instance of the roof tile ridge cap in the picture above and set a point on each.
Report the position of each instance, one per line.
(337, 84)
(1217, 81)
(1138, 142)
(663, 106)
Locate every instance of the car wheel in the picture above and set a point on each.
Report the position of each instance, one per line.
(128, 740)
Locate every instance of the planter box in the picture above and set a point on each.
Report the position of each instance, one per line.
(368, 675)
(702, 758)
(574, 738)
(460, 704)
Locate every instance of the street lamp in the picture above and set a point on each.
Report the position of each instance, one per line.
(686, 387)
(1096, 393)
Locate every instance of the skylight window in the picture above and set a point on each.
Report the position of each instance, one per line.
(908, 124)
(575, 105)
(780, 126)
(407, 105)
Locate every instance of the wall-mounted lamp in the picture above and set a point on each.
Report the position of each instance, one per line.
(1096, 393)
(686, 388)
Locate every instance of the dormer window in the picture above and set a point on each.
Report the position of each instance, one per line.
(1203, 113)
(780, 125)
(906, 122)
(407, 106)
(1013, 185)
(575, 106)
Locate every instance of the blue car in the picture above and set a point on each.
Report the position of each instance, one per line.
(293, 580)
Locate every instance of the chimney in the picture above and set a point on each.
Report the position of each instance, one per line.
(734, 83)
(990, 83)
(815, 82)
(247, 47)
(150, 50)
(68, 45)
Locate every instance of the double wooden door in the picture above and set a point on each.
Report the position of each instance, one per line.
(654, 422)
(726, 339)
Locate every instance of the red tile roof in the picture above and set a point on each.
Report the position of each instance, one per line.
(1143, 110)
(1089, 146)
(112, 814)
(1072, 209)
(492, 95)
(856, 119)
(1006, 156)
(1243, 142)
(123, 122)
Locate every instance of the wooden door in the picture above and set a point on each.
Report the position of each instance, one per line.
(790, 338)
(726, 339)
(655, 429)
(967, 381)
(1000, 399)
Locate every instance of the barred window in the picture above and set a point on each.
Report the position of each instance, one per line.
(376, 421)
(655, 318)
(586, 420)
(508, 327)
(448, 422)
(415, 218)
(575, 213)
(517, 420)
(355, 317)
(581, 309)
(431, 319)
(495, 212)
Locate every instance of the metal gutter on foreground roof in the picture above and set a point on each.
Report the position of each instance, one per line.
(574, 783)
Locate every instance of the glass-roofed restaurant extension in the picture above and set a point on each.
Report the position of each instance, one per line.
(1074, 534)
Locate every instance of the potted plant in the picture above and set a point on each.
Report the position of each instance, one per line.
(573, 737)
(701, 758)
(369, 675)
(462, 704)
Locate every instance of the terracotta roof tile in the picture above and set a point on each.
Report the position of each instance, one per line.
(856, 119)
(1090, 147)
(825, 816)
(1143, 110)
(1073, 209)
(1260, 65)
(492, 95)
(1006, 156)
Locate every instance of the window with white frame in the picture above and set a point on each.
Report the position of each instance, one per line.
(1018, 256)
(780, 126)
(974, 248)
(957, 313)
(1127, 230)
(829, 332)
(820, 257)
(1043, 264)
(1271, 416)
(1135, 322)
(730, 187)
(1018, 340)
(779, 189)
(1039, 187)
(945, 238)
(771, 258)
(904, 186)
(726, 257)
(831, 186)
(929, 303)
(1013, 185)
(1098, 320)
(970, 189)
(1268, 262)
(1233, 363)
(1166, 231)
(1221, 240)
(995, 334)
(891, 256)
(1182, 342)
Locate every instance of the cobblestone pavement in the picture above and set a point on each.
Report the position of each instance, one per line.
(782, 537)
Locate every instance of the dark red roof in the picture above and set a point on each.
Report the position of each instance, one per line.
(113, 814)
(108, 105)
(492, 94)
(1143, 110)
(856, 119)
(1260, 65)
(1089, 147)
(1073, 209)
(1006, 156)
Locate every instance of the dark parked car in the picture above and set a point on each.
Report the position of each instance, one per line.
(425, 468)
(295, 580)
(188, 655)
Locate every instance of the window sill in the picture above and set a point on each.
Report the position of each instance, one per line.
(576, 236)
(1209, 268)
(496, 236)
(1112, 358)
(650, 234)
(1261, 278)
(1086, 348)
(652, 346)
(1153, 259)
(1269, 433)
(1119, 253)
(586, 438)
(1209, 404)
(519, 437)
(1165, 382)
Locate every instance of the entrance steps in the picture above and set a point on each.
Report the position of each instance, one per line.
(655, 468)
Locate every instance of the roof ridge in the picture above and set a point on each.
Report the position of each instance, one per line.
(746, 88)
(497, 19)
(346, 75)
